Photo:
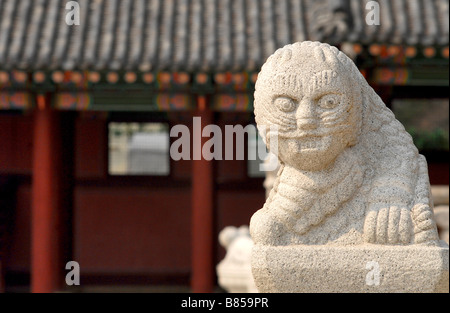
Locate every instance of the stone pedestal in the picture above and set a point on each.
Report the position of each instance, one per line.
(235, 279)
(355, 269)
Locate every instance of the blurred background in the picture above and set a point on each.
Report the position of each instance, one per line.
(86, 111)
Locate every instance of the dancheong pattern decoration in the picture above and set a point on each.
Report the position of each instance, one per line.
(170, 52)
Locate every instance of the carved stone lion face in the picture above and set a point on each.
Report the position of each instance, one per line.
(313, 101)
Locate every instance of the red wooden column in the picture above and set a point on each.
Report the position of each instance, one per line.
(47, 162)
(203, 278)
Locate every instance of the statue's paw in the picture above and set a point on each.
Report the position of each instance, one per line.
(265, 229)
(388, 224)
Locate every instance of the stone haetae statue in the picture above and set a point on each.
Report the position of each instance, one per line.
(350, 175)
(234, 272)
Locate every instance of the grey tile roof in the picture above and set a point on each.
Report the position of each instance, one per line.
(200, 35)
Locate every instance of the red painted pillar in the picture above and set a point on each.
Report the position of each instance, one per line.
(45, 198)
(203, 277)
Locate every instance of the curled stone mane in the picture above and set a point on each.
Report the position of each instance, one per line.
(404, 174)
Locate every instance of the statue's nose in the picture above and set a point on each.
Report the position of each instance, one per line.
(306, 115)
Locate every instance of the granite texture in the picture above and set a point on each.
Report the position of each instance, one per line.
(356, 269)
(350, 178)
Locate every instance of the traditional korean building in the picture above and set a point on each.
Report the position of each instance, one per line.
(86, 112)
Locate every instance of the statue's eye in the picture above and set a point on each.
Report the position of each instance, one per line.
(285, 104)
(329, 101)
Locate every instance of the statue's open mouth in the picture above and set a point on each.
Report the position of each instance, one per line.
(312, 143)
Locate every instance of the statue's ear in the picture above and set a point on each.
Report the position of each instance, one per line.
(375, 112)
(227, 235)
(367, 117)
(262, 131)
